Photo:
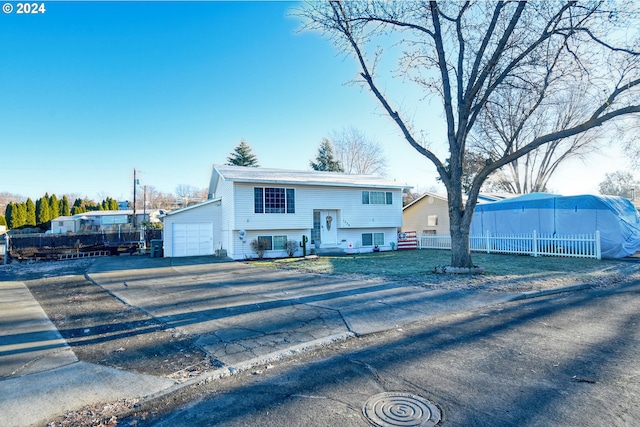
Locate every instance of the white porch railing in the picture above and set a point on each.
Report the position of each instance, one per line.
(534, 244)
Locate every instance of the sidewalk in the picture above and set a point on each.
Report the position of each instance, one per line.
(245, 316)
(40, 376)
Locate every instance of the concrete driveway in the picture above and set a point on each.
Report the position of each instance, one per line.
(245, 314)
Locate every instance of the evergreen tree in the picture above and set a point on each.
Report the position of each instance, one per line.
(325, 161)
(242, 156)
(113, 205)
(8, 213)
(16, 214)
(77, 207)
(21, 210)
(54, 205)
(64, 206)
(3, 220)
(43, 210)
(31, 213)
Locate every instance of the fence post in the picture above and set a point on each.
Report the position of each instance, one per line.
(535, 243)
(488, 241)
(6, 248)
(598, 249)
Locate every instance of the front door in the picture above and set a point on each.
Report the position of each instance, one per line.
(329, 227)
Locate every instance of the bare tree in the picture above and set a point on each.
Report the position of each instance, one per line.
(629, 135)
(156, 199)
(188, 195)
(501, 129)
(469, 53)
(357, 153)
(6, 198)
(619, 183)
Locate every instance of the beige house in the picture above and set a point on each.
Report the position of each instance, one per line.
(429, 214)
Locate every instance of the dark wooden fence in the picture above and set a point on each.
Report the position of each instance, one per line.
(51, 246)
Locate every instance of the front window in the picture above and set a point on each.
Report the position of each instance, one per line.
(274, 242)
(274, 200)
(372, 239)
(377, 198)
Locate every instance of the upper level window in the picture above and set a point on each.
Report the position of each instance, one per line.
(377, 198)
(274, 200)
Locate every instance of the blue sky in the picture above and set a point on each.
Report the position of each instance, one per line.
(92, 90)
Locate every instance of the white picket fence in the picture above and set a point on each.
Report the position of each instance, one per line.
(534, 244)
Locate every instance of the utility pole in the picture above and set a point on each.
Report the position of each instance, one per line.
(144, 203)
(135, 183)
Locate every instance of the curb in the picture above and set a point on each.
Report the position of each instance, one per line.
(250, 364)
(544, 292)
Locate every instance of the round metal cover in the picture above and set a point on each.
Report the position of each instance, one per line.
(400, 409)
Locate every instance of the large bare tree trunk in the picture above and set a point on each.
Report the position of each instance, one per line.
(460, 251)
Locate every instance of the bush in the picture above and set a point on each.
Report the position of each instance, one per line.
(291, 246)
(259, 246)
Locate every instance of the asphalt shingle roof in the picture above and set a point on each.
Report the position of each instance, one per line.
(286, 176)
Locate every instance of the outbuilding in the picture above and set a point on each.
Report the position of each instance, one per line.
(615, 218)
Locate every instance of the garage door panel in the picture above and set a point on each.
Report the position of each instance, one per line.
(192, 239)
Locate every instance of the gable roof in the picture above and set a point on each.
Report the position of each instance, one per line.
(188, 208)
(287, 176)
(482, 198)
(425, 195)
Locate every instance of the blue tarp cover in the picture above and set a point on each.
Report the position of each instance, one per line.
(615, 217)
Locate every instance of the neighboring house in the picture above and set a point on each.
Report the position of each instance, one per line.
(429, 213)
(334, 211)
(95, 221)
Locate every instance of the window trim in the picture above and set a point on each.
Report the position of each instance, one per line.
(375, 237)
(287, 197)
(272, 238)
(380, 197)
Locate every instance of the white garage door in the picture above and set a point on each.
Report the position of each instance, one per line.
(192, 239)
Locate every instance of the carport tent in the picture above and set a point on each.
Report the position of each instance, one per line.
(615, 218)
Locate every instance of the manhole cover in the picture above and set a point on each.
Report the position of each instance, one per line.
(400, 409)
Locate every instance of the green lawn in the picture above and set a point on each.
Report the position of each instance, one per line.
(417, 266)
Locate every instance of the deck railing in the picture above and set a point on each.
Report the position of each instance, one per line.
(534, 244)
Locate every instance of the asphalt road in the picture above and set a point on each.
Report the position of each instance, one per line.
(571, 359)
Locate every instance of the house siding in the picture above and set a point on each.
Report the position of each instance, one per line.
(352, 238)
(415, 217)
(241, 248)
(347, 201)
(225, 191)
(353, 217)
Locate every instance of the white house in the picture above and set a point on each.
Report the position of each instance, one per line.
(95, 221)
(334, 211)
